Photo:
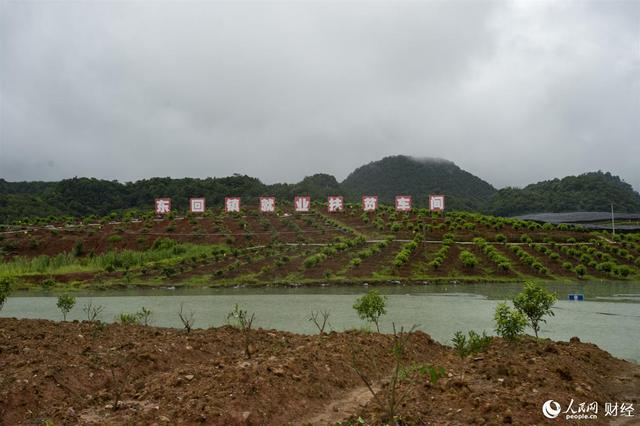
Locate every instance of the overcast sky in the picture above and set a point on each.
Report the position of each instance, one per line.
(514, 92)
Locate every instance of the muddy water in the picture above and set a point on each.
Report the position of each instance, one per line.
(609, 316)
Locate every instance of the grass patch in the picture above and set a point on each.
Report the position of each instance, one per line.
(164, 252)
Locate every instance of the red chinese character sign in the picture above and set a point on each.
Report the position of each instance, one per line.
(163, 205)
(335, 203)
(369, 203)
(436, 202)
(267, 204)
(302, 204)
(196, 205)
(232, 204)
(403, 203)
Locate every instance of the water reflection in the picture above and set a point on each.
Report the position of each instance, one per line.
(609, 316)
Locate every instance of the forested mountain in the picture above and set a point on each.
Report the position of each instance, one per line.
(405, 175)
(89, 196)
(386, 178)
(593, 191)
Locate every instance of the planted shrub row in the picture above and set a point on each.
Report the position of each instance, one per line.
(493, 254)
(405, 253)
(468, 259)
(341, 244)
(527, 259)
(369, 251)
(440, 256)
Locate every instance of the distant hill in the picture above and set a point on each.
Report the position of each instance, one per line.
(401, 174)
(90, 196)
(386, 178)
(593, 191)
(317, 186)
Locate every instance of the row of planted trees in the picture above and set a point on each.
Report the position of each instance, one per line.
(530, 308)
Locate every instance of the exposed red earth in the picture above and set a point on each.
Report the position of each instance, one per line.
(261, 239)
(73, 373)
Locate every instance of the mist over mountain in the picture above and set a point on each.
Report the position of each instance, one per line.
(419, 177)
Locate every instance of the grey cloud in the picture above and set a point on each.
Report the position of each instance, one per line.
(512, 91)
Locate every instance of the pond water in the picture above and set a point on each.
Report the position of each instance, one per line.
(609, 316)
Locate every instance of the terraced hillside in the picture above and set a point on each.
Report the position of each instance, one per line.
(253, 248)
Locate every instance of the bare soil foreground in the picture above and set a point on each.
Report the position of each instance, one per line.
(74, 372)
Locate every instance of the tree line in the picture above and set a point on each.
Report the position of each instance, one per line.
(89, 196)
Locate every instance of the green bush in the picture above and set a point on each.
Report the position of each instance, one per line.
(163, 243)
(439, 257)
(435, 373)
(510, 323)
(404, 254)
(142, 317)
(78, 249)
(606, 266)
(580, 270)
(65, 303)
(468, 259)
(474, 344)
(126, 318)
(623, 271)
(113, 239)
(371, 307)
(448, 238)
(535, 303)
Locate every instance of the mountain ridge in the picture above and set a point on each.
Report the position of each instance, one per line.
(387, 177)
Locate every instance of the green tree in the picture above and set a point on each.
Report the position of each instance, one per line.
(510, 323)
(65, 303)
(371, 307)
(535, 303)
(580, 270)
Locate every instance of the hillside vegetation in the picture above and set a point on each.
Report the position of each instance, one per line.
(386, 178)
(404, 175)
(285, 247)
(587, 192)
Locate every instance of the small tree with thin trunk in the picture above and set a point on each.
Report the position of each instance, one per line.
(371, 307)
(92, 311)
(535, 303)
(319, 322)
(241, 319)
(510, 323)
(66, 302)
(391, 397)
(187, 319)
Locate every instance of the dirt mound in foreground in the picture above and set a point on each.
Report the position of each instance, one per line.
(509, 383)
(72, 373)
